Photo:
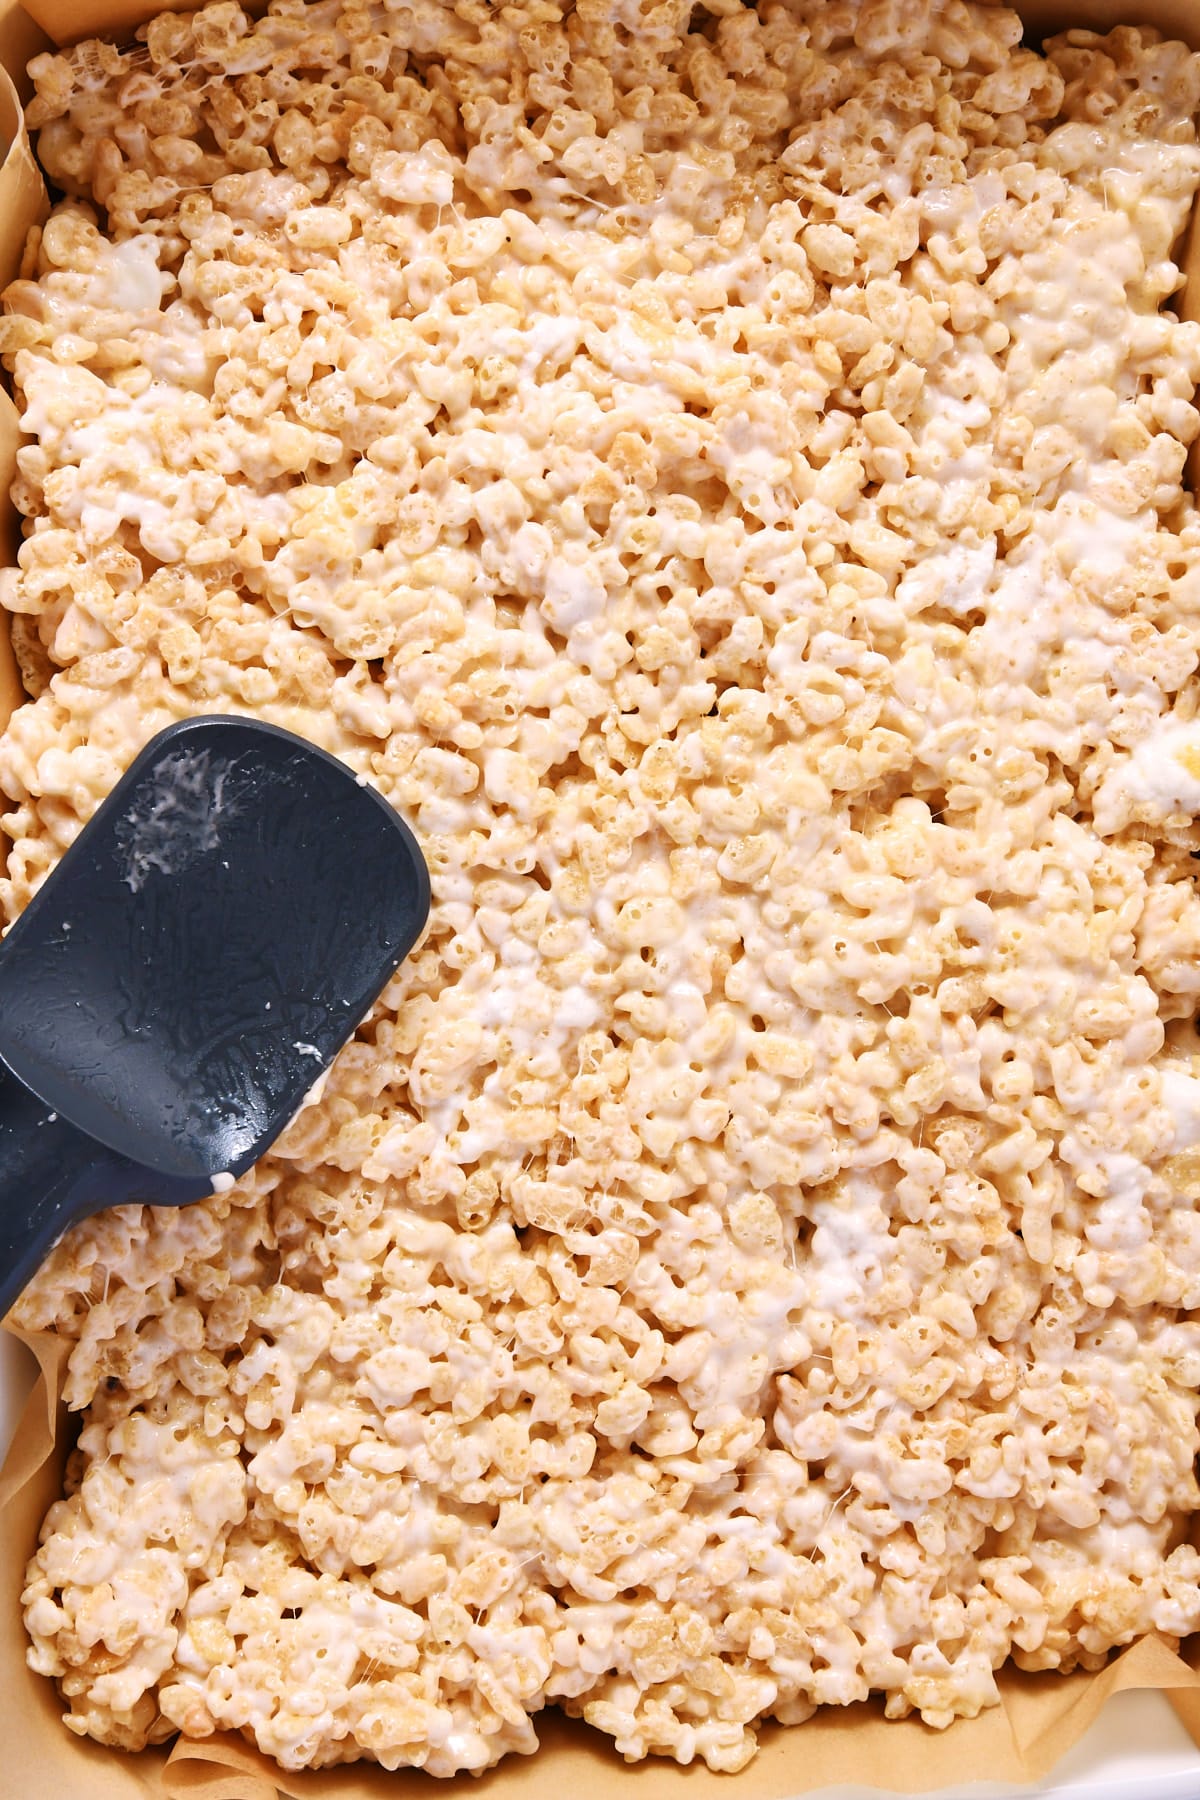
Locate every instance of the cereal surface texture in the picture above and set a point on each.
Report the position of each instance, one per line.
(719, 473)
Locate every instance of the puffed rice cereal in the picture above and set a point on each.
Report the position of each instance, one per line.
(719, 473)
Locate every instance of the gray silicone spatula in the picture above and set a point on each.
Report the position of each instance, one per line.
(179, 982)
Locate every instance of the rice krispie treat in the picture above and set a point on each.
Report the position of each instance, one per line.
(718, 472)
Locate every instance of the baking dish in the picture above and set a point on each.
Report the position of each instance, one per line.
(1043, 1716)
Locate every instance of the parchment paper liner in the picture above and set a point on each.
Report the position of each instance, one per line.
(1041, 1716)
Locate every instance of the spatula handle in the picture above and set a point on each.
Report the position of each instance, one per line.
(51, 1176)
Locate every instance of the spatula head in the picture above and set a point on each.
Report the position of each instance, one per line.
(207, 945)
